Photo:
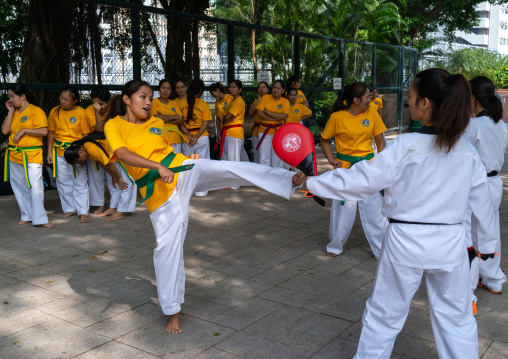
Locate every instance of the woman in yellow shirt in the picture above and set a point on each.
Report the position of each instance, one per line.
(196, 116)
(263, 89)
(27, 124)
(273, 110)
(123, 196)
(169, 111)
(68, 123)
(377, 102)
(223, 100)
(140, 142)
(353, 123)
(95, 114)
(297, 111)
(296, 82)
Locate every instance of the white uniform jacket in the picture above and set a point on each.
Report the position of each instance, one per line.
(422, 184)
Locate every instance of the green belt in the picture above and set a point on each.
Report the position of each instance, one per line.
(148, 180)
(63, 146)
(25, 161)
(352, 160)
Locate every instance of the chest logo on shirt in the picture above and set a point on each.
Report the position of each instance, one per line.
(297, 111)
(155, 131)
(365, 123)
(301, 96)
(173, 109)
(73, 120)
(279, 107)
(291, 142)
(225, 104)
(376, 102)
(24, 119)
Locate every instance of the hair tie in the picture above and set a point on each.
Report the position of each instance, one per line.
(497, 96)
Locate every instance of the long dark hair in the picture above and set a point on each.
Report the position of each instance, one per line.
(196, 86)
(483, 90)
(451, 104)
(71, 153)
(346, 99)
(118, 107)
(20, 89)
(217, 86)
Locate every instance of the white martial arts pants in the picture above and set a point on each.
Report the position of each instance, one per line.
(343, 217)
(234, 150)
(177, 147)
(30, 200)
(73, 191)
(171, 219)
(96, 181)
(489, 271)
(453, 324)
(255, 153)
(202, 147)
(123, 200)
(266, 153)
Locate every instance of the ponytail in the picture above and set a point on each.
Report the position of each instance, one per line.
(71, 153)
(346, 99)
(484, 92)
(451, 104)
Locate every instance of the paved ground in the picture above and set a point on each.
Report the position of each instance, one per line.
(259, 285)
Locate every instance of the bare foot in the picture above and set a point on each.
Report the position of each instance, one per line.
(298, 178)
(45, 225)
(23, 222)
(108, 212)
(115, 217)
(228, 189)
(68, 214)
(330, 254)
(84, 218)
(99, 210)
(173, 325)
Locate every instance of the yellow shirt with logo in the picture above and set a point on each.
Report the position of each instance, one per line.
(31, 118)
(222, 105)
(377, 103)
(237, 109)
(149, 140)
(296, 113)
(68, 126)
(95, 153)
(280, 106)
(301, 97)
(201, 113)
(171, 109)
(353, 134)
(90, 116)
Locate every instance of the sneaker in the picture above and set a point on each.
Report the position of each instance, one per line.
(481, 285)
(475, 311)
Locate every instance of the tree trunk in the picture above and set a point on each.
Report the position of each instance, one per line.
(93, 27)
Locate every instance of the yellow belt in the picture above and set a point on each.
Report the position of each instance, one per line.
(63, 146)
(25, 161)
(174, 128)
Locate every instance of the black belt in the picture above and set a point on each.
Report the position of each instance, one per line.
(492, 174)
(393, 220)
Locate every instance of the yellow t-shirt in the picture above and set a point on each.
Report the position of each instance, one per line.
(377, 103)
(171, 109)
(90, 116)
(222, 105)
(201, 113)
(31, 118)
(301, 97)
(95, 153)
(257, 120)
(68, 126)
(237, 109)
(296, 113)
(280, 106)
(353, 134)
(148, 140)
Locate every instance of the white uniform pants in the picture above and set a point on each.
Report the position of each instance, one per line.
(342, 219)
(234, 150)
(255, 153)
(202, 147)
(266, 153)
(122, 200)
(489, 271)
(73, 191)
(95, 184)
(171, 219)
(177, 147)
(387, 308)
(30, 200)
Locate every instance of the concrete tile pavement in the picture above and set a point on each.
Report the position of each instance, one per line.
(259, 285)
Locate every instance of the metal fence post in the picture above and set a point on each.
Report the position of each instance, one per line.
(136, 43)
(374, 74)
(296, 57)
(400, 93)
(342, 63)
(231, 53)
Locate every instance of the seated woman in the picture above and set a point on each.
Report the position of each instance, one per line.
(140, 142)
